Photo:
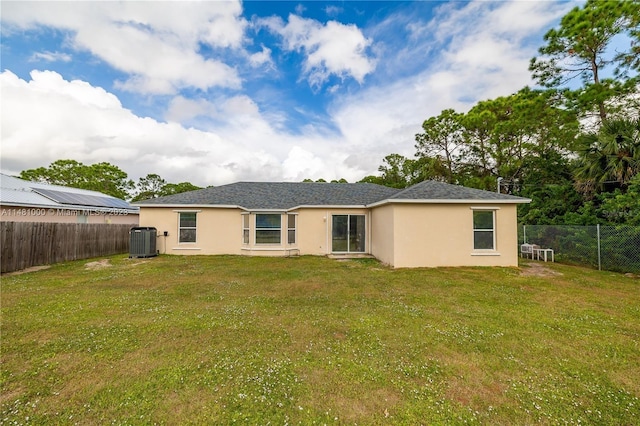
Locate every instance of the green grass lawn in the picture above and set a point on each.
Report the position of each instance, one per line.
(218, 340)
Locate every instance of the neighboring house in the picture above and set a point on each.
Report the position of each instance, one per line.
(24, 201)
(429, 224)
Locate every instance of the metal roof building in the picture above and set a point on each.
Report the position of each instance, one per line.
(25, 201)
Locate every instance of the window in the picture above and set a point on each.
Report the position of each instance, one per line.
(348, 233)
(245, 228)
(187, 227)
(268, 228)
(483, 230)
(291, 228)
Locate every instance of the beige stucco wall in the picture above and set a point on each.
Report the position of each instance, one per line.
(382, 233)
(401, 235)
(314, 234)
(434, 235)
(313, 226)
(219, 231)
(39, 214)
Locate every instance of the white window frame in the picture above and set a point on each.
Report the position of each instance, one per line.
(293, 229)
(246, 228)
(493, 211)
(279, 229)
(194, 228)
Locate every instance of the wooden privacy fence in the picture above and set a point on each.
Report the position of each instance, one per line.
(26, 244)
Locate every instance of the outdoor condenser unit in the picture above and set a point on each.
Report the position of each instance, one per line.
(142, 242)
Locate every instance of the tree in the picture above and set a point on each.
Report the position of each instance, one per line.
(108, 179)
(499, 134)
(395, 171)
(506, 137)
(581, 48)
(148, 187)
(153, 186)
(102, 177)
(398, 171)
(442, 139)
(178, 188)
(341, 180)
(61, 172)
(611, 155)
(550, 204)
(371, 179)
(492, 141)
(623, 208)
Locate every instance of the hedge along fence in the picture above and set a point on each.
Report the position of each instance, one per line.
(26, 244)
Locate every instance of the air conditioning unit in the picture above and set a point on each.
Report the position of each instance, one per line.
(142, 242)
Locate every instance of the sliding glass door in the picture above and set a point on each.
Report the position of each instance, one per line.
(348, 233)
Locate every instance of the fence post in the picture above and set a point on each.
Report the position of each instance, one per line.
(524, 234)
(598, 234)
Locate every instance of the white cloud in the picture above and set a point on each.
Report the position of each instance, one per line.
(331, 10)
(330, 49)
(182, 110)
(261, 58)
(240, 106)
(301, 163)
(50, 56)
(226, 110)
(51, 118)
(58, 119)
(157, 46)
(471, 59)
(76, 90)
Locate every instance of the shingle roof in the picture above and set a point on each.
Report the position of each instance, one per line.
(280, 195)
(433, 190)
(288, 195)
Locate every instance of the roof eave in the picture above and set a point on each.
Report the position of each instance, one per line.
(28, 205)
(232, 206)
(188, 206)
(328, 206)
(449, 201)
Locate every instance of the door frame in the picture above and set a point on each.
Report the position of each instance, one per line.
(365, 229)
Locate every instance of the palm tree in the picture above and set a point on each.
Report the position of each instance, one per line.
(610, 156)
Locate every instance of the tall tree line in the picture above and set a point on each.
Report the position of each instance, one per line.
(572, 145)
(106, 178)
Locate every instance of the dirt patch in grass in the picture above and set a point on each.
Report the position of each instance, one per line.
(377, 404)
(538, 270)
(470, 385)
(27, 270)
(140, 262)
(98, 264)
(350, 405)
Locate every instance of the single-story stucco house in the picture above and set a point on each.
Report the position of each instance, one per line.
(427, 225)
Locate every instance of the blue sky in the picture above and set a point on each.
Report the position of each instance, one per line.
(215, 92)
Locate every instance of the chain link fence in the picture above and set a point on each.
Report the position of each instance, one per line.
(611, 248)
